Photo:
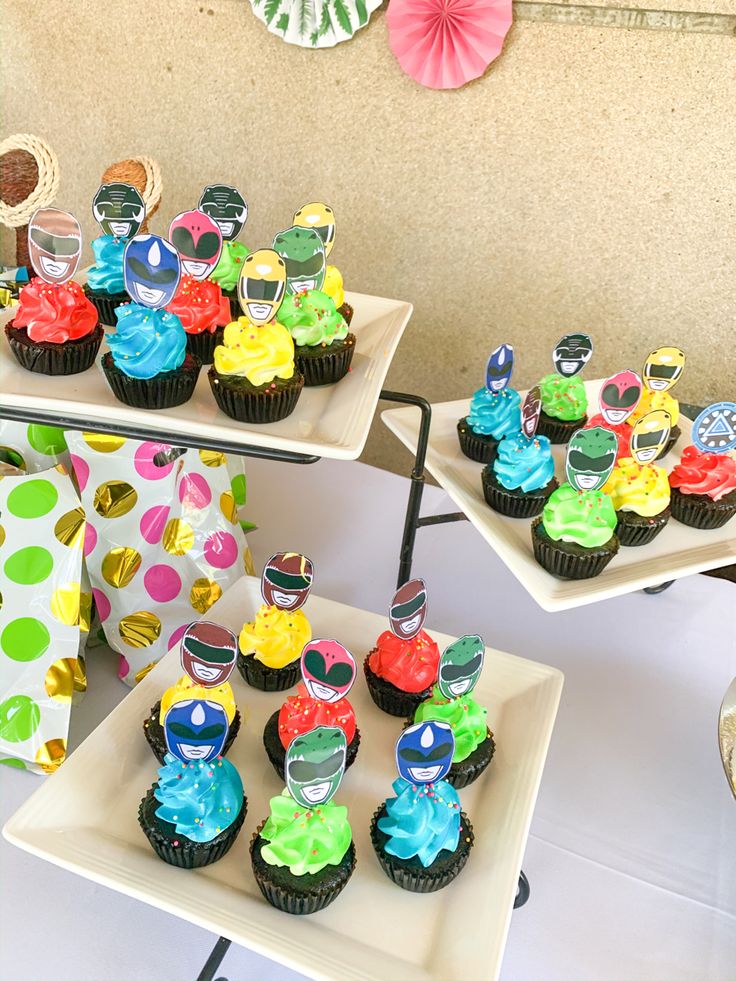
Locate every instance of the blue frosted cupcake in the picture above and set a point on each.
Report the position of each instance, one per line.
(521, 477)
(492, 416)
(105, 286)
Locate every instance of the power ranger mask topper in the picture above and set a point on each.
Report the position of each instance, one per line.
(409, 609)
(304, 253)
(262, 285)
(714, 431)
(151, 270)
(314, 765)
(499, 368)
(531, 409)
(54, 244)
(226, 206)
(198, 240)
(591, 455)
(119, 209)
(649, 436)
(328, 670)
(424, 752)
(619, 396)
(208, 653)
(663, 368)
(195, 730)
(572, 353)
(460, 666)
(321, 218)
(286, 580)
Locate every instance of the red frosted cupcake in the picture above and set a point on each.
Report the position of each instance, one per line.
(703, 489)
(204, 312)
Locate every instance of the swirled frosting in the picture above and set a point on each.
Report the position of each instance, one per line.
(641, 488)
(147, 342)
(227, 271)
(422, 820)
(586, 518)
(333, 286)
(463, 714)
(305, 841)
(622, 432)
(200, 306)
(311, 319)
(563, 398)
(199, 799)
(185, 689)
(301, 713)
(106, 275)
(55, 312)
(496, 414)
(276, 637)
(259, 354)
(713, 474)
(410, 665)
(655, 400)
(524, 464)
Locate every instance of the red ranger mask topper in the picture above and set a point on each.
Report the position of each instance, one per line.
(208, 653)
(198, 240)
(619, 396)
(531, 409)
(328, 670)
(409, 609)
(286, 580)
(54, 244)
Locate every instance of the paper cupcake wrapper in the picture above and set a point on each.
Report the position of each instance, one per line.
(558, 431)
(154, 733)
(514, 504)
(260, 676)
(391, 699)
(106, 304)
(699, 511)
(482, 449)
(255, 407)
(641, 532)
(277, 754)
(160, 392)
(69, 358)
(553, 557)
(327, 367)
(202, 346)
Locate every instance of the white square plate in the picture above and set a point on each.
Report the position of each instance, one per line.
(84, 818)
(329, 421)
(677, 550)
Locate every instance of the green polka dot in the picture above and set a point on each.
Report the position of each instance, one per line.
(29, 566)
(32, 499)
(25, 639)
(13, 457)
(16, 764)
(238, 486)
(47, 439)
(19, 718)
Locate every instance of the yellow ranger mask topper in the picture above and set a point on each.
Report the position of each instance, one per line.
(650, 435)
(262, 285)
(321, 218)
(663, 368)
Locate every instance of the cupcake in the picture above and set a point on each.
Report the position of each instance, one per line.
(658, 402)
(328, 673)
(703, 489)
(521, 477)
(204, 312)
(494, 410)
(272, 644)
(662, 370)
(226, 206)
(303, 854)
(321, 218)
(323, 346)
(421, 837)
(402, 667)
(451, 703)
(120, 211)
(564, 402)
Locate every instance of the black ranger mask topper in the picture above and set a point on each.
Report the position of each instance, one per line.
(208, 653)
(714, 431)
(572, 353)
(227, 206)
(119, 209)
(531, 409)
(409, 609)
(286, 580)
(460, 666)
(591, 455)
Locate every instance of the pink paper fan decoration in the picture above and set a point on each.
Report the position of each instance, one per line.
(445, 43)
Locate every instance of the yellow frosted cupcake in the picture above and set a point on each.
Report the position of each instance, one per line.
(270, 648)
(640, 493)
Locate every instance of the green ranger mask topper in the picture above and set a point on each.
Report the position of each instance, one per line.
(303, 251)
(315, 763)
(460, 666)
(591, 454)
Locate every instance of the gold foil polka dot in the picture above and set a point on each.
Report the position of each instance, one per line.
(69, 529)
(120, 566)
(204, 593)
(114, 498)
(51, 755)
(211, 458)
(248, 563)
(178, 537)
(62, 469)
(102, 443)
(140, 629)
(228, 506)
(85, 612)
(2, 534)
(65, 604)
(140, 675)
(65, 677)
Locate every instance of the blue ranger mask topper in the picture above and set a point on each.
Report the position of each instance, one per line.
(195, 730)
(499, 368)
(152, 270)
(424, 752)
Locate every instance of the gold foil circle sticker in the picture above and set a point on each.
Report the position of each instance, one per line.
(114, 498)
(178, 537)
(228, 506)
(248, 563)
(85, 612)
(65, 604)
(204, 593)
(69, 529)
(140, 629)
(64, 678)
(102, 443)
(51, 755)
(211, 458)
(140, 675)
(120, 566)
(2, 535)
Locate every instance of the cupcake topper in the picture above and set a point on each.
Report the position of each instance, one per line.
(409, 609)
(714, 431)
(649, 436)
(321, 218)
(151, 270)
(286, 580)
(424, 752)
(226, 206)
(328, 670)
(262, 285)
(314, 765)
(591, 455)
(531, 409)
(304, 253)
(198, 240)
(119, 209)
(195, 729)
(499, 368)
(54, 244)
(572, 353)
(663, 368)
(619, 396)
(208, 653)
(460, 666)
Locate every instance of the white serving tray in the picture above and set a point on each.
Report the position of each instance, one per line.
(677, 551)
(84, 819)
(329, 421)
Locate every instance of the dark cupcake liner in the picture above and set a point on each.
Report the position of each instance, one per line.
(299, 894)
(325, 366)
(566, 560)
(154, 733)
(187, 854)
(558, 430)
(106, 304)
(44, 358)
(476, 447)
(255, 406)
(410, 874)
(264, 678)
(277, 754)
(346, 312)
(202, 346)
(160, 392)
(699, 511)
(514, 503)
(633, 529)
(235, 308)
(389, 698)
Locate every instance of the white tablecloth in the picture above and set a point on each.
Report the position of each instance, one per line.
(631, 858)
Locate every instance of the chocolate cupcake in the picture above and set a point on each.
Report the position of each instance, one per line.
(105, 286)
(703, 489)
(564, 405)
(204, 312)
(323, 347)
(640, 493)
(492, 416)
(579, 552)
(521, 477)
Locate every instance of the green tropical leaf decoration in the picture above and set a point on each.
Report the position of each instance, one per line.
(314, 23)
(326, 22)
(343, 17)
(362, 12)
(283, 23)
(305, 10)
(271, 9)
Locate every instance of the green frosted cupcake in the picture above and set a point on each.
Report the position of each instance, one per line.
(564, 407)
(323, 345)
(574, 537)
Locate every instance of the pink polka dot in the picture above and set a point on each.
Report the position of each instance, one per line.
(162, 583)
(176, 636)
(144, 457)
(123, 668)
(153, 523)
(102, 603)
(221, 549)
(90, 538)
(81, 470)
(194, 491)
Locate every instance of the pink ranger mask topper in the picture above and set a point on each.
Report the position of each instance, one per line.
(198, 240)
(328, 670)
(619, 396)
